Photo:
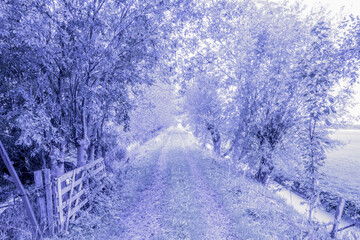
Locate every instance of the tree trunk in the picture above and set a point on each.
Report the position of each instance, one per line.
(264, 171)
(94, 139)
(53, 167)
(234, 146)
(100, 150)
(217, 143)
(81, 153)
(92, 152)
(103, 152)
(314, 198)
(215, 136)
(43, 159)
(83, 144)
(57, 164)
(60, 163)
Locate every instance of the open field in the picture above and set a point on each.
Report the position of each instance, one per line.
(342, 168)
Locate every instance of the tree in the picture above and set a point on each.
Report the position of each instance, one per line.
(322, 72)
(73, 64)
(204, 109)
(251, 65)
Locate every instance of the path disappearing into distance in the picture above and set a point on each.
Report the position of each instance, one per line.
(175, 199)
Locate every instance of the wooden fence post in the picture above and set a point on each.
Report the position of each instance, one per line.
(338, 214)
(21, 189)
(40, 199)
(49, 201)
(59, 202)
(70, 200)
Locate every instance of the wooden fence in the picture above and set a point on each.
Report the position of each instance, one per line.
(59, 202)
(44, 200)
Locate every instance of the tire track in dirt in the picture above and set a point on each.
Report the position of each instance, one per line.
(144, 221)
(218, 223)
(191, 209)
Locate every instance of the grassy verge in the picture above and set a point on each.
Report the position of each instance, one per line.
(257, 213)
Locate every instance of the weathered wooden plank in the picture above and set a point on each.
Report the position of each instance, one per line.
(61, 213)
(49, 201)
(338, 214)
(79, 191)
(68, 188)
(21, 189)
(56, 207)
(78, 207)
(40, 198)
(74, 198)
(70, 200)
(69, 174)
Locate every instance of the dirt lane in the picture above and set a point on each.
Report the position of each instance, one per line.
(143, 221)
(217, 221)
(178, 203)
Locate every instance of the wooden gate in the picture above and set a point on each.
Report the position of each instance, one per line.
(72, 191)
(66, 195)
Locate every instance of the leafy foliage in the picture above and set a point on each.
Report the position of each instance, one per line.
(70, 67)
(261, 81)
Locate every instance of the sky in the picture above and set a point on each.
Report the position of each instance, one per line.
(350, 6)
